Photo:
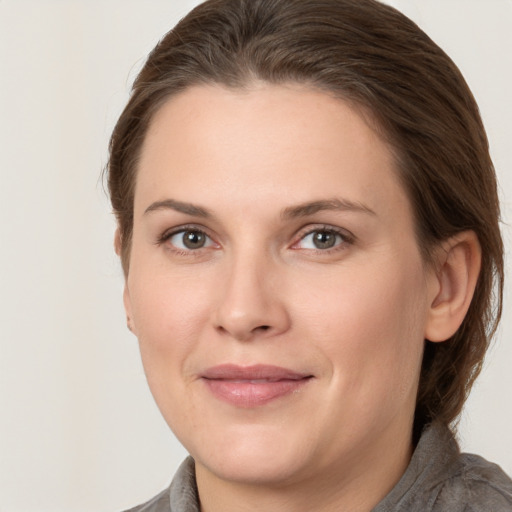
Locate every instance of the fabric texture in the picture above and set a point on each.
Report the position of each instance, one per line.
(438, 479)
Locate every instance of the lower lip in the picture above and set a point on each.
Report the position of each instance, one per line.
(247, 394)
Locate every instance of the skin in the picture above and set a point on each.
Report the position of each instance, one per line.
(354, 316)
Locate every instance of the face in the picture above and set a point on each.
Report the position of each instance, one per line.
(275, 284)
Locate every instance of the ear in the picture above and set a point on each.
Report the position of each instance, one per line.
(128, 309)
(457, 265)
(117, 242)
(126, 293)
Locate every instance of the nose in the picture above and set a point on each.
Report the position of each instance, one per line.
(252, 303)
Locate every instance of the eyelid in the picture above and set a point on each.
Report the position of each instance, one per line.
(347, 237)
(169, 233)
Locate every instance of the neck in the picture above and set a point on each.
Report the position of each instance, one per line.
(352, 485)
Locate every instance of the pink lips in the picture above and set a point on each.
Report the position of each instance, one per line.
(251, 386)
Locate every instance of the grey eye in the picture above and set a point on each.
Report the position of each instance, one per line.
(190, 239)
(324, 239)
(321, 239)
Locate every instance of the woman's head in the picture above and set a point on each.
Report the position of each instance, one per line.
(376, 60)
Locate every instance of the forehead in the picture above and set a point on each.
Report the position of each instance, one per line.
(263, 143)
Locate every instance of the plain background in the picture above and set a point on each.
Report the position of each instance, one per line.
(78, 428)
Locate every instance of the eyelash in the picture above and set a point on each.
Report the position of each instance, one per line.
(167, 235)
(346, 239)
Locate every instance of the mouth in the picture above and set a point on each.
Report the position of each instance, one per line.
(253, 386)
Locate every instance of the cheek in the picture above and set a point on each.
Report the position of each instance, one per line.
(369, 322)
(169, 313)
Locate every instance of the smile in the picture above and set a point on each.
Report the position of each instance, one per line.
(252, 386)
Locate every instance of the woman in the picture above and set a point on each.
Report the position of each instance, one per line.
(308, 226)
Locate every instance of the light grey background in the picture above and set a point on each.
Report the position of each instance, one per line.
(78, 427)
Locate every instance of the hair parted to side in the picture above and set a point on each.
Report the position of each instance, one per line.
(371, 55)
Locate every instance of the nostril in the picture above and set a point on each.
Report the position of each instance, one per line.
(263, 327)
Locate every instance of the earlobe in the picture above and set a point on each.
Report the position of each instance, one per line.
(457, 268)
(128, 309)
(117, 242)
(126, 292)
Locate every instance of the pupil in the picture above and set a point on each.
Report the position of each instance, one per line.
(193, 239)
(324, 239)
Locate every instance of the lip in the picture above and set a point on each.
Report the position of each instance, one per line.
(252, 386)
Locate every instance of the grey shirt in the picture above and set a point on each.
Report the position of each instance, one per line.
(438, 479)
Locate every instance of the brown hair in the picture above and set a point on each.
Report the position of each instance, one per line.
(376, 58)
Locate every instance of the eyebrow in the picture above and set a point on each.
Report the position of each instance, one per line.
(310, 208)
(291, 212)
(172, 204)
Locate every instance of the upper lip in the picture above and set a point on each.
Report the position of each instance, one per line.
(264, 372)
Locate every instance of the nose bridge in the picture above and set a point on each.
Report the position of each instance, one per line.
(250, 303)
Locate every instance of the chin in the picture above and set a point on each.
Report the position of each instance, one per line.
(270, 471)
(255, 456)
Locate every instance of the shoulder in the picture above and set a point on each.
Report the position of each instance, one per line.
(180, 496)
(160, 503)
(439, 479)
(475, 485)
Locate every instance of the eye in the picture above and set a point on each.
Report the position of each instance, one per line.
(321, 239)
(189, 239)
